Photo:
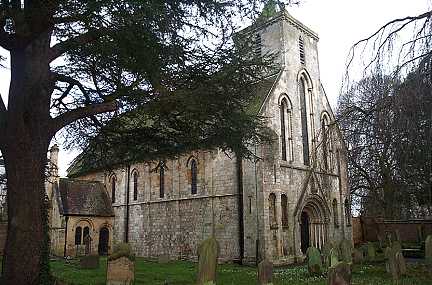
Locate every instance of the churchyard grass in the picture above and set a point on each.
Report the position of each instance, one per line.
(184, 273)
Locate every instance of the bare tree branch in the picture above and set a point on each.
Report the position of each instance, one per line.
(69, 117)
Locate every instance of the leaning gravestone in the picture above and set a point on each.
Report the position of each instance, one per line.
(265, 273)
(339, 274)
(346, 251)
(371, 254)
(121, 267)
(89, 262)
(428, 253)
(208, 253)
(314, 260)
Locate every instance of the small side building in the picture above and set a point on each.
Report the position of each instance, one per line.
(79, 208)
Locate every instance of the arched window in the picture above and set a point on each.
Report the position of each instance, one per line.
(78, 234)
(335, 213)
(325, 137)
(302, 51)
(161, 180)
(284, 204)
(113, 188)
(135, 185)
(193, 169)
(304, 121)
(286, 130)
(86, 232)
(347, 212)
(272, 210)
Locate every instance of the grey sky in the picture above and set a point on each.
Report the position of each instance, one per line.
(339, 23)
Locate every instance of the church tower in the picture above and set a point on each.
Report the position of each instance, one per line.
(296, 194)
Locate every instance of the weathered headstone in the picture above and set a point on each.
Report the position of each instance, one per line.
(388, 252)
(314, 260)
(163, 258)
(346, 251)
(358, 256)
(428, 253)
(121, 266)
(89, 262)
(87, 244)
(371, 254)
(392, 266)
(326, 254)
(401, 264)
(79, 250)
(334, 259)
(339, 274)
(396, 246)
(208, 253)
(397, 235)
(265, 272)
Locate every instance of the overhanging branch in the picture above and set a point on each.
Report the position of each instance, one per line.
(82, 112)
(65, 46)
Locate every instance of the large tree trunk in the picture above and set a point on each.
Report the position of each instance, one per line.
(23, 258)
(27, 136)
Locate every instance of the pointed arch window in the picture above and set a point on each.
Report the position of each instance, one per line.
(161, 180)
(113, 188)
(286, 130)
(272, 211)
(304, 121)
(135, 185)
(86, 232)
(194, 172)
(325, 140)
(284, 204)
(335, 213)
(78, 234)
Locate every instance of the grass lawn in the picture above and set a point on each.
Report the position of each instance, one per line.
(183, 273)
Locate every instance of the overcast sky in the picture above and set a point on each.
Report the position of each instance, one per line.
(339, 23)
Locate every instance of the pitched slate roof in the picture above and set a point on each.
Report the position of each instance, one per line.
(83, 198)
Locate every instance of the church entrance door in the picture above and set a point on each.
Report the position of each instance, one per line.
(103, 241)
(304, 232)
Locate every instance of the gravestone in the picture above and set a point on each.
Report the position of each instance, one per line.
(80, 250)
(396, 246)
(339, 274)
(420, 233)
(388, 254)
(87, 244)
(89, 262)
(397, 235)
(392, 266)
(314, 260)
(371, 254)
(380, 242)
(334, 259)
(265, 272)
(120, 271)
(428, 253)
(346, 251)
(121, 266)
(208, 253)
(358, 256)
(325, 253)
(401, 264)
(163, 258)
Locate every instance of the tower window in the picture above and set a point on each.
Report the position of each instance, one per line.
(304, 122)
(193, 176)
(113, 189)
(135, 185)
(301, 51)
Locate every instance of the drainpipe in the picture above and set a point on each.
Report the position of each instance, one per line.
(257, 245)
(126, 237)
(240, 206)
(66, 231)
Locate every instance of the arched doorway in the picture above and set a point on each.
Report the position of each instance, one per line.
(304, 232)
(103, 241)
(314, 219)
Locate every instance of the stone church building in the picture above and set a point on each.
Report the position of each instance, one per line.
(294, 196)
